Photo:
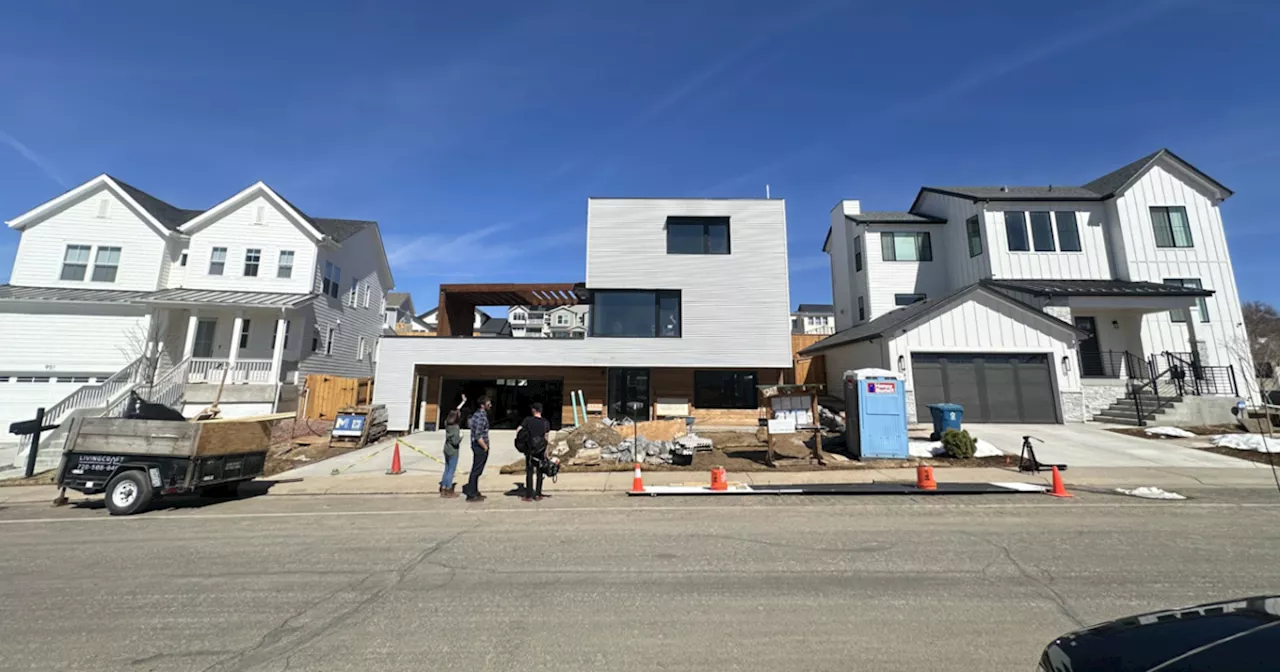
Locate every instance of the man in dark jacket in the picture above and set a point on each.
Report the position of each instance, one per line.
(532, 436)
(478, 423)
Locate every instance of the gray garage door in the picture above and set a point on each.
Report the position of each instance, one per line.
(991, 387)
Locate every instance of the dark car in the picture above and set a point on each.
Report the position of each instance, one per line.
(1240, 635)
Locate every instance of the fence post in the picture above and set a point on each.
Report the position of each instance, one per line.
(35, 445)
(1137, 405)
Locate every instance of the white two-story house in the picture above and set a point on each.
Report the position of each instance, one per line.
(687, 306)
(115, 290)
(1045, 304)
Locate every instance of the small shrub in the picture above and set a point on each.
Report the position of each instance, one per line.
(959, 444)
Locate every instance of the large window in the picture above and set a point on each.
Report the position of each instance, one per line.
(217, 260)
(1180, 315)
(244, 334)
(1015, 229)
(252, 259)
(862, 309)
(75, 261)
(1042, 232)
(906, 247)
(332, 278)
(857, 253)
(724, 389)
(697, 235)
(285, 268)
(974, 231)
(635, 313)
(1068, 231)
(1171, 227)
(105, 264)
(908, 299)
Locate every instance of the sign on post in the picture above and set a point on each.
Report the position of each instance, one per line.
(785, 425)
(348, 424)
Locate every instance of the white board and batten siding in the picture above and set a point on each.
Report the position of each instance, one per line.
(1209, 260)
(42, 248)
(888, 278)
(951, 240)
(256, 224)
(1090, 263)
(843, 276)
(358, 258)
(735, 308)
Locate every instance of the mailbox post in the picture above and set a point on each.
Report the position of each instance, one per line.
(32, 428)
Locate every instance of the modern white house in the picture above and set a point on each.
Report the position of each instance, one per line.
(688, 311)
(813, 318)
(1045, 304)
(114, 290)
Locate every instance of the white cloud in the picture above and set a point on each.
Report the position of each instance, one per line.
(32, 157)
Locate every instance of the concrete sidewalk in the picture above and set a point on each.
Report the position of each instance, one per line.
(420, 453)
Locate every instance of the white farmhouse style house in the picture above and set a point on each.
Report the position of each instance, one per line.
(1114, 300)
(114, 290)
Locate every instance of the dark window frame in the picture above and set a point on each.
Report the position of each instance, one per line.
(737, 381)
(889, 250)
(707, 224)
(1170, 237)
(658, 296)
(244, 333)
(1074, 220)
(857, 254)
(899, 299)
(252, 261)
(1010, 226)
(1042, 239)
(973, 231)
(862, 308)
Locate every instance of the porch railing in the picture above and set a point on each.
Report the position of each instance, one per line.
(1113, 364)
(99, 395)
(1189, 376)
(211, 370)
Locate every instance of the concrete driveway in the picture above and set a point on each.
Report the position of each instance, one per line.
(420, 453)
(1090, 445)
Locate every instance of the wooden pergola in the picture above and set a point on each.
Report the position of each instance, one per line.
(458, 303)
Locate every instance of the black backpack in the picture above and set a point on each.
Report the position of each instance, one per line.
(529, 443)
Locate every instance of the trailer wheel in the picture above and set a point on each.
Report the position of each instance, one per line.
(129, 492)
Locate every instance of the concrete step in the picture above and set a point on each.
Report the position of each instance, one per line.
(1129, 414)
(1116, 421)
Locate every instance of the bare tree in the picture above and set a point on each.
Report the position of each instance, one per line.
(1262, 323)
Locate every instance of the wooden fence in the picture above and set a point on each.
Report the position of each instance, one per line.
(327, 394)
(809, 370)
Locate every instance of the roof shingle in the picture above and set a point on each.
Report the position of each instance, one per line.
(893, 217)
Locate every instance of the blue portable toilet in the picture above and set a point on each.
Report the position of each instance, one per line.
(876, 405)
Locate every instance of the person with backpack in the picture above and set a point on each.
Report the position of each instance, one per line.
(531, 439)
(452, 445)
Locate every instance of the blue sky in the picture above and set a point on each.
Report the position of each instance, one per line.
(474, 132)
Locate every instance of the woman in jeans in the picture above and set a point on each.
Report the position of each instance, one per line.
(452, 442)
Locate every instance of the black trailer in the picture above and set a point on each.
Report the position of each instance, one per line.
(133, 462)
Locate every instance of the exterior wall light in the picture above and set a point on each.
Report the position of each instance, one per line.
(902, 364)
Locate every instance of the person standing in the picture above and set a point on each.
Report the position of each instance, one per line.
(452, 444)
(479, 426)
(531, 438)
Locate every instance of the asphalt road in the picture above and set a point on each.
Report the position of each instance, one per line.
(604, 583)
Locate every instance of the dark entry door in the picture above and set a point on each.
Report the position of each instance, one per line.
(204, 338)
(1090, 352)
(991, 387)
(629, 394)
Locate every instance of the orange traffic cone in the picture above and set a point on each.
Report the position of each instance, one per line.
(924, 478)
(637, 483)
(395, 469)
(719, 479)
(1059, 490)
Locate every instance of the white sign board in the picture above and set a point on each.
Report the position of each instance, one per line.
(782, 426)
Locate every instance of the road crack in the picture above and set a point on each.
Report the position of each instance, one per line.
(1045, 585)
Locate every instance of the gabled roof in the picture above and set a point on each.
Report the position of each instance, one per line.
(498, 326)
(895, 322)
(893, 217)
(824, 308)
(257, 188)
(397, 299)
(341, 229)
(1046, 193)
(171, 216)
(1118, 180)
(1095, 288)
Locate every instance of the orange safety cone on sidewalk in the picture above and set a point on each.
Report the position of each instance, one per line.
(395, 469)
(719, 479)
(637, 483)
(1059, 490)
(924, 478)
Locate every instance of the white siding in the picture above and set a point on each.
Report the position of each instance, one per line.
(40, 341)
(840, 249)
(735, 307)
(237, 231)
(1090, 263)
(19, 401)
(393, 384)
(42, 246)
(951, 243)
(887, 278)
(1209, 260)
(358, 258)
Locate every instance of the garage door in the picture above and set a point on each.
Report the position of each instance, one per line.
(991, 387)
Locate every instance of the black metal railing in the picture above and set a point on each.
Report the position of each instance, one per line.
(1188, 376)
(1112, 364)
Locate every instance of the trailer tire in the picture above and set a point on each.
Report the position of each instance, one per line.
(128, 492)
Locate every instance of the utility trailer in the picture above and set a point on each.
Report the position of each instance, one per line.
(133, 462)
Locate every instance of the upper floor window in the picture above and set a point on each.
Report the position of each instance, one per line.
(857, 254)
(354, 294)
(1042, 232)
(367, 291)
(974, 231)
(252, 258)
(316, 341)
(75, 262)
(360, 347)
(636, 313)
(332, 279)
(1171, 226)
(1068, 230)
(562, 319)
(217, 260)
(105, 264)
(182, 259)
(862, 309)
(697, 235)
(906, 247)
(285, 268)
(1015, 229)
(908, 299)
(1180, 315)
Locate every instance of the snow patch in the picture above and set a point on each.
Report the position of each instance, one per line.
(1253, 442)
(1170, 432)
(1148, 492)
(919, 448)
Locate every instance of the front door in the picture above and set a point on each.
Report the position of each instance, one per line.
(204, 338)
(1090, 353)
(629, 394)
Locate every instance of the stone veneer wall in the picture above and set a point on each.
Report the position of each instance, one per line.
(1098, 397)
(1073, 407)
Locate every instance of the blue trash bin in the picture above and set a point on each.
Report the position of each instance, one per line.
(945, 416)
